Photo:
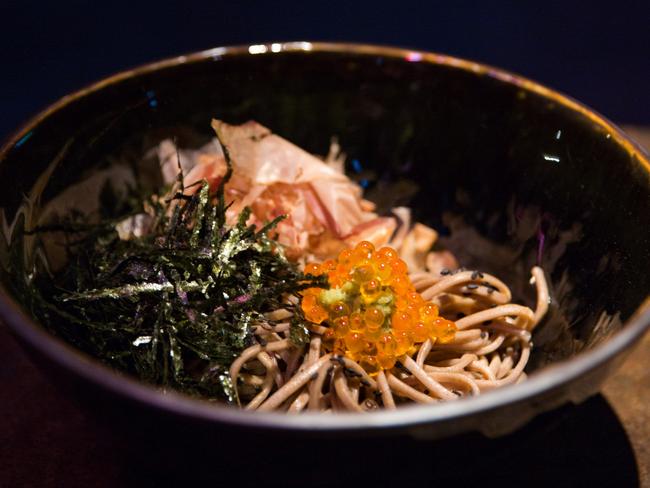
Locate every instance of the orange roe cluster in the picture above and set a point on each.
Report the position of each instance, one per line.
(372, 312)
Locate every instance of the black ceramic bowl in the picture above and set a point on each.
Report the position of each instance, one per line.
(510, 172)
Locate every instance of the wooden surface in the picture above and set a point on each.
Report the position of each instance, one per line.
(628, 391)
(47, 440)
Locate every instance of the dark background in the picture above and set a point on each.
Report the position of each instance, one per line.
(594, 51)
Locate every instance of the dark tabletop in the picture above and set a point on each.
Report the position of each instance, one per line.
(47, 440)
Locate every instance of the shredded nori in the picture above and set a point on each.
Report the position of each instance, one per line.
(176, 306)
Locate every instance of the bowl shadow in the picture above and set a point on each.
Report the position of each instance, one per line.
(576, 445)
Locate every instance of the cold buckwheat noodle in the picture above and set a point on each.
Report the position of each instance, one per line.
(490, 348)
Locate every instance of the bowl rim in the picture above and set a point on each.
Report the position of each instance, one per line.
(549, 378)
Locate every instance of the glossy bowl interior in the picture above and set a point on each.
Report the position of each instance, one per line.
(509, 172)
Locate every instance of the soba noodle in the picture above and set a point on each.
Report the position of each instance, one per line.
(489, 350)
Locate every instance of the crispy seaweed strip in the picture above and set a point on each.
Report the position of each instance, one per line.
(177, 305)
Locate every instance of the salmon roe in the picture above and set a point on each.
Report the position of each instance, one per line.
(372, 311)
